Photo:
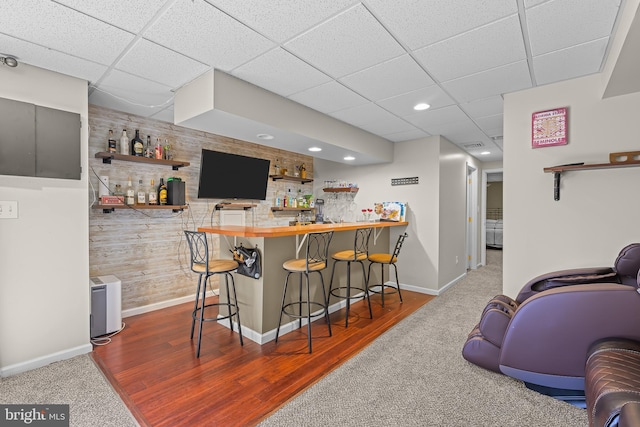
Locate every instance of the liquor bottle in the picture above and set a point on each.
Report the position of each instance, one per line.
(141, 194)
(277, 203)
(111, 145)
(162, 193)
(130, 198)
(158, 149)
(148, 151)
(152, 194)
(137, 146)
(124, 143)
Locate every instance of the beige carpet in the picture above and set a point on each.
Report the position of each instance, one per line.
(414, 375)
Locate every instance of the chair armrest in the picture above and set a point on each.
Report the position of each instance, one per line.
(630, 415)
(551, 332)
(566, 277)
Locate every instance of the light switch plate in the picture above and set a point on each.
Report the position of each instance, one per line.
(9, 209)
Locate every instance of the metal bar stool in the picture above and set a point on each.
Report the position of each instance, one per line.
(314, 262)
(386, 259)
(205, 267)
(358, 254)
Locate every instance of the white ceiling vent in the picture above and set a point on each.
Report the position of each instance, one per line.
(472, 145)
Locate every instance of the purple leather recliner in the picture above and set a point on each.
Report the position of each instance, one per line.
(543, 337)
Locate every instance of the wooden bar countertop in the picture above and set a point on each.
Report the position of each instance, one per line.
(293, 230)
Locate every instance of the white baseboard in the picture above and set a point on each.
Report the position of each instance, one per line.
(163, 304)
(39, 362)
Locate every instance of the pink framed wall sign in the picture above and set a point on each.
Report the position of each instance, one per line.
(549, 128)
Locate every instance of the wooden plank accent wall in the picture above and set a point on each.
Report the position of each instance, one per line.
(146, 249)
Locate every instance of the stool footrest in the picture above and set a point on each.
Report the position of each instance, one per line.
(303, 303)
(361, 292)
(231, 308)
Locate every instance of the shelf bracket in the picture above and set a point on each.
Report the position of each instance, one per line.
(556, 185)
(108, 210)
(107, 160)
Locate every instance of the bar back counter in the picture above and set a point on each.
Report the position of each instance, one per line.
(260, 299)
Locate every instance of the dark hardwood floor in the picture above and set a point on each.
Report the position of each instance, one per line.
(152, 363)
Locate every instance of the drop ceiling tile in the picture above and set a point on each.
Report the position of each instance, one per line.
(204, 33)
(484, 107)
(458, 132)
(42, 57)
(489, 46)
(428, 118)
(118, 13)
(569, 63)
(154, 62)
(497, 81)
(165, 115)
(63, 29)
(349, 42)
(388, 125)
(361, 114)
(531, 3)
(398, 75)
(402, 105)
(280, 72)
(132, 94)
(491, 125)
(406, 136)
(273, 18)
(419, 23)
(328, 97)
(557, 24)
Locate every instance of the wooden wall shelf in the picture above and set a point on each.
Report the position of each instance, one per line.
(341, 190)
(291, 178)
(235, 206)
(107, 157)
(558, 170)
(111, 208)
(278, 209)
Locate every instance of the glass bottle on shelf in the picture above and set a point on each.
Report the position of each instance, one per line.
(152, 193)
(124, 143)
(130, 194)
(137, 146)
(276, 167)
(162, 193)
(158, 149)
(111, 143)
(141, 194)
(148, 150)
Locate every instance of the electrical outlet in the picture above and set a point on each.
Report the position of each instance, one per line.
(456, 259)
(9, 209)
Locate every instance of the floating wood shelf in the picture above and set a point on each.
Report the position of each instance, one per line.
(107, 157)
(558, 170)
(111, 208)
(341, 190)
(278, 209)
(235, 206)
(290, 178)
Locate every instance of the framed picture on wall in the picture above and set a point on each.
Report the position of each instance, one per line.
(549, 128)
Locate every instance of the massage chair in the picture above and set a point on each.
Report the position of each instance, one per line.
(543, 336)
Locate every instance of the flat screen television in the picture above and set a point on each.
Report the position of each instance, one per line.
(232, 176)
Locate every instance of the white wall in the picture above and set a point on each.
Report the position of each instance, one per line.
(421, 265)
(597, 213)
(44, 260)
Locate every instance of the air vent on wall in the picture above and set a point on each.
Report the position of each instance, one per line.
(471, 145)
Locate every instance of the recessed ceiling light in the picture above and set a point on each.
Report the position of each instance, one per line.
(421, 106)
(349, 158)
(265, 136)
(315, 149)
(484, 153)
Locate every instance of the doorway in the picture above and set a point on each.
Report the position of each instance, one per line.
(489, 176)
(472, 218)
